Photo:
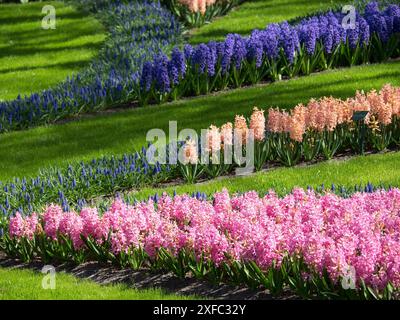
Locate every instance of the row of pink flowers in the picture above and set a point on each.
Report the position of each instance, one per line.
(329, 232)
(318, 115)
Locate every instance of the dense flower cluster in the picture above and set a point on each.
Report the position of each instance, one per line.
(331, 234)
(327, 113)
(321, 128)
(315, 43)
(134, 65)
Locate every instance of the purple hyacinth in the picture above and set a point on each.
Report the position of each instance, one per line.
(146, 78)
(239, 51)
(178, 61)
(270, 39)
(364, 32)
(372, 8)
(160, 73)
(326, 33)
(201, 57)
(353, 35)
(220, 49)
(392, 16)
(173, 72)
(254, 48)
(227, 53)
(212, 59)
(377, 23)
(289, 41)
(188, 51)
(337, 32)
(308, 33)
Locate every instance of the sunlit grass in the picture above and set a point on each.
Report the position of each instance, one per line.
(25, 152)
(256, 14)
(376, 169)
(32, 58)
(18, 284)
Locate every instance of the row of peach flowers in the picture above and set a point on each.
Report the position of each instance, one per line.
(197, 5)
(324, 114)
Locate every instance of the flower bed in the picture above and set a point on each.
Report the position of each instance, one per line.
(124, 70)
(137, 31)
(281, 50)
(77, 183)
(320, 130)
(324, 245)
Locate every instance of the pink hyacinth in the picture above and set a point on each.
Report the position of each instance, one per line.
(23, 228)
(330, 233)
(71, 225)
(51, 220)
(17, 226)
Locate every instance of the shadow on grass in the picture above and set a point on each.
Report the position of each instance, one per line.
(144, 279)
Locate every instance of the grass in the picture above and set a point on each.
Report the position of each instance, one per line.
(32, 58)
(378, 168)
(23, 153)
(17, 284)
(256, 14)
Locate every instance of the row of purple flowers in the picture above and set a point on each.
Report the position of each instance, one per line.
(134, 67)
(315, 43)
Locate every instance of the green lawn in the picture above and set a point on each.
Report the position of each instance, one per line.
(256, 14)
(24, 152)
(378, 168)
(31, 58)
(27, 285)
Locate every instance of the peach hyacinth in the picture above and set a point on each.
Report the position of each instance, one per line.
(241, 129)
(327, 113)
(257, 124)
(197, 5)
(213, 139)
(190, 152)
(227, 134)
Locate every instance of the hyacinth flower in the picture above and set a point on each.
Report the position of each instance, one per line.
(188, 161)
(262, 147)
(255, 57)
(215, 150)
(305, 241)
(195, 13)
(123, 73)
